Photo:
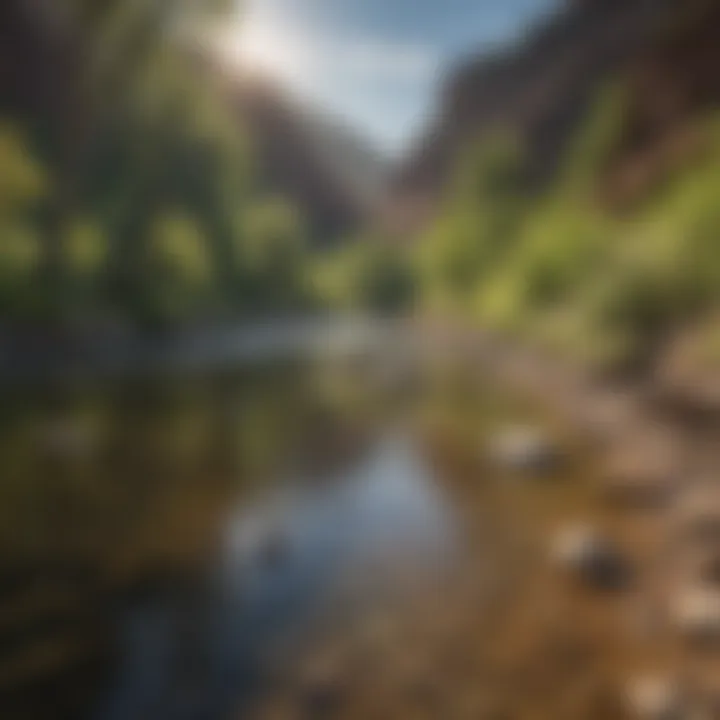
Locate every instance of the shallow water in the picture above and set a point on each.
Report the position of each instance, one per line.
(292, 541)
(284, 561)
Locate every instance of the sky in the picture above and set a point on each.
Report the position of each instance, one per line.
(376, 63)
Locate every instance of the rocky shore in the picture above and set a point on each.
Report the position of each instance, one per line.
(655, 443)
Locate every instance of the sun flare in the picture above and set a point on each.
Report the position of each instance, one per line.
(256, 47)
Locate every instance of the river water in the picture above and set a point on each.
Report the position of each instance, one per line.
(296, 538)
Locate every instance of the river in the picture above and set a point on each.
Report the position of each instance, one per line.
(278, 534)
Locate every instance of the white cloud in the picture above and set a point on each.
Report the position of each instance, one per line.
(265, 44)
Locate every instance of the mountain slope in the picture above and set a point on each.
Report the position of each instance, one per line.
(334, 177)
(540, 89)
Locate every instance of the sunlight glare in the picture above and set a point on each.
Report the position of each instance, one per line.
(257, 47)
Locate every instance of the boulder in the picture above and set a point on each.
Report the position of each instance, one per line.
(526, 450)
(587, 555)
(262, 544)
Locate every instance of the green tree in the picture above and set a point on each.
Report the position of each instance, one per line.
(369, 273)
(179, 269)
(271, 250)
(22, 192)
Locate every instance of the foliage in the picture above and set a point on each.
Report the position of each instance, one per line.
(475, 233)
(22, 181)
(22, 188)
(563, 270)
(592, 148)
(135, 197)
(177, 264)
(369, 273)
(272, 250)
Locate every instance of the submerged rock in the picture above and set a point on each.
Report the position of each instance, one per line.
(525, 449)
(656, 698)
(262, 545)
(274, 549)
(590, 557)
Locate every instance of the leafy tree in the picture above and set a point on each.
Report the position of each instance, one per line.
(270, 249)
(370, 273)
(143, 201)
(179, 270)
(22, 191)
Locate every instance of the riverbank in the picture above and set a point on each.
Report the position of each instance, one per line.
(653, 442)
(609, 409)
(37, 355)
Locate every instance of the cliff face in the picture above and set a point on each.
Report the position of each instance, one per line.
(333, 177)
(541, 88)
(672, 84)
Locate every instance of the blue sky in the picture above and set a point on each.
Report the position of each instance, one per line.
(375, 62)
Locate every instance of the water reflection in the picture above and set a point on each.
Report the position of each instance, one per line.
(301, 555)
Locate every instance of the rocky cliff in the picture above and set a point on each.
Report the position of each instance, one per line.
(329, 172)
(541, 88)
